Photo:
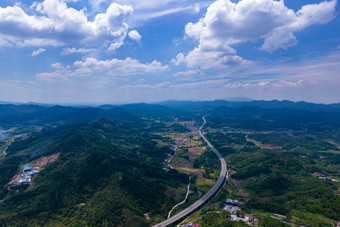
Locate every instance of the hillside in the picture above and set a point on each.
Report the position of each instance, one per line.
(283, 158)
(107, 174)
(12, 115)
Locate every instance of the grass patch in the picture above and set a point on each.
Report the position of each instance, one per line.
(309, 219)
(204, 184)
(216, 173)
(192, 217)
(177, 193)
(228, 189)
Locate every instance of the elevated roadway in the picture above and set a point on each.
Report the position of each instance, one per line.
(207, 196)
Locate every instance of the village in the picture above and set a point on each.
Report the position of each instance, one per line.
(7, 138)
(24, 176)
(231, 206)
(29, 171)
(323, 176)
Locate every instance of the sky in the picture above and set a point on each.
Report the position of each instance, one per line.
(127, 51)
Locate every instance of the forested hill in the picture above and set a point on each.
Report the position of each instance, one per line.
(33, 114)
(107, 174)
(109, 166)
(262, 115)
(274, 104)
(273, 115)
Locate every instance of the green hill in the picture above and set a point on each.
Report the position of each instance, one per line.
(108, 174)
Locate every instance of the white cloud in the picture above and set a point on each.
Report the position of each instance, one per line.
(135, 35)
(114, 46)
(183, 87)
(37, 52)
(265, 84)
(227, 23)
(145, 10)
(150, 14)
(289, 84)
(202, 84)
(159, 86)
(91, 66)
(63, 74)
(57, 66)
(37, 42)
(5, 41)
(117, 67)
(189, 73)
(53, 76)
(54, 23)
(206, 58)
(67, 51)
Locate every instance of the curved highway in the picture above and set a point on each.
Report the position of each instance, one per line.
(199, 203)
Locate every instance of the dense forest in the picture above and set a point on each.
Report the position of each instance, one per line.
(110, 168)
(107, 174)
(280, 180)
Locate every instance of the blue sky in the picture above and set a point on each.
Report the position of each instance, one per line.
(101, 51)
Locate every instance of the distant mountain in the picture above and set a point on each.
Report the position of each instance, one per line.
(239, 99)
(263, 104)
(28, 114)
(10, 112)
(107, 106)
(300, 113)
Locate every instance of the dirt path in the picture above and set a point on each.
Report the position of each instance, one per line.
(4, 152)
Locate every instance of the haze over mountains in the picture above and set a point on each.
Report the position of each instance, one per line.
(260, 111)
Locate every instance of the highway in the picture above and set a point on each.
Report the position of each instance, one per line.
(199, 203)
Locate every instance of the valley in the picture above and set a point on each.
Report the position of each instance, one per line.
(132, 169)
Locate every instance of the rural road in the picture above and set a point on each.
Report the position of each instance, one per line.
(185, 199)
(199, 203)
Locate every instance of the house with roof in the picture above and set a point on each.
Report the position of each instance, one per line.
(27, 169)
(234, 202)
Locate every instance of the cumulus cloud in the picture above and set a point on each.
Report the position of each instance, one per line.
(289, 84)
(37, 52)
(111, 67)
(227, 23)
(135, 35)
(118, 67)
(52, 22)
(206, 58)
(57, 66)
(63, 74)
